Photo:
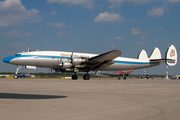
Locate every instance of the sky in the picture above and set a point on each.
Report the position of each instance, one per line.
(89, 26)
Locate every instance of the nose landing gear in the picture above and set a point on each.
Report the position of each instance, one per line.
(17, 69)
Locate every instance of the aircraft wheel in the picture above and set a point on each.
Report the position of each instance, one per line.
(86, 77)
(119, 78)
(74, 77)
(15, 77)
(124, 78)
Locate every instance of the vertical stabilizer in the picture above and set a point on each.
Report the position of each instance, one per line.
(142, 55)
(171, 56)
(156, 54)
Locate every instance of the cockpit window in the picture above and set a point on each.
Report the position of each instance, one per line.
(17, 54)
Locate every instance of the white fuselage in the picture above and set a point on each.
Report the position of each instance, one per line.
(51, 59)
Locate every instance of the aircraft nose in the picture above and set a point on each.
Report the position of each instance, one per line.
(7, 59)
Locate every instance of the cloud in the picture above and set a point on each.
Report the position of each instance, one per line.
(136, 31)
(61, 34)
(83, 22)
(16, 33)
(53, 13)
(16, 45)
(60, 25)
(116, 3)
(160, 28)
(113, 46)
(118, 38)
(88, 4)
(140, 43)
(132, 20)
(156, 11)
(97, 31)
(46, 42)
(109, 17)
(157, 41)
(57, 24)
(28, 33)
(36, 20)
(172, 1)
(144, 37)
(12, 13)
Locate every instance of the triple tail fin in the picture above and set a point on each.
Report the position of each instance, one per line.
(170, 56)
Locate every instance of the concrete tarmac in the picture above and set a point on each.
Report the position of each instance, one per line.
(104, 99)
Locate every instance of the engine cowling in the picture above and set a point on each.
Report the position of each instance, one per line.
(78, 60)
(66, 65)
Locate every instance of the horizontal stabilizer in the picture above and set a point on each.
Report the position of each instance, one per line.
(142, 55)
(170, 59)
(158, 60)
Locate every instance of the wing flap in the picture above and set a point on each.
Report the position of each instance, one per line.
(103, 65)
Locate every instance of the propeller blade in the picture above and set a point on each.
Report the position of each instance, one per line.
(61, 59)
(71, 57)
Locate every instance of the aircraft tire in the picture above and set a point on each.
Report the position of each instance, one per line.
(86, 77)
(124, 78)
(74, 77)
(15, 77)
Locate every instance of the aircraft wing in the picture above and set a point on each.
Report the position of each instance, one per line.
(103, 60)
(105, 57)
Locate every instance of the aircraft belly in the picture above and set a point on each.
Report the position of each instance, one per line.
(50, 63)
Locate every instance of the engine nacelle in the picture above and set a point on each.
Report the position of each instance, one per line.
(78, 60)
(66, 65)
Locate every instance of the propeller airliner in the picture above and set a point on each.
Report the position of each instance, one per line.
(62, 61)
(118, 74)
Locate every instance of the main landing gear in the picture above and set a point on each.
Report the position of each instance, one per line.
(74, 77)
(120, 78)
(85, 77)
